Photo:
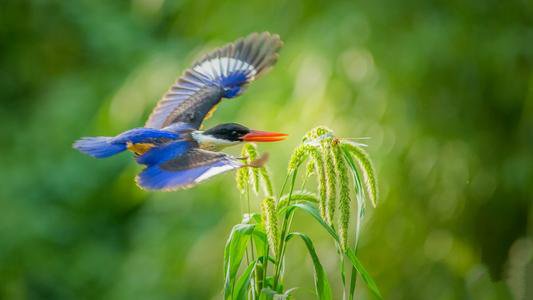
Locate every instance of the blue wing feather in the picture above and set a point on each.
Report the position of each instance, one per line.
(143, 135)
(222, 73)
(185, 170)
(156, 178)
(165, 152)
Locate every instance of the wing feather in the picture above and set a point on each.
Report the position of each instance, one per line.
(222, 73)
(186, 170)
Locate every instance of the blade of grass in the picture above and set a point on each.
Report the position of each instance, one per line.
(360, 212)
(350, 253)
(358, 192)
(312, 210)
(277, 296)
(242, 284)
(300, 195)
(251, 218)
(322, 286)
(234, 253)
(342, 272)
(284, 230)
(353, 282)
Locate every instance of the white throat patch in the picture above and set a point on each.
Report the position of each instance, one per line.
(208, 142)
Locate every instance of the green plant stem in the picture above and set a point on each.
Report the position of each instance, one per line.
(353, 273)
(342, 271)
(353, 282)
(267, 247)
(249, 212)
(253, 293)
(360, 213)
(283, 186)
(284, 230)
(265, 268)
(243, 211)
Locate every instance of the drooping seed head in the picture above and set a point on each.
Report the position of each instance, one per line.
(344, 195)
(296, 196)
(266, 181)
(270, 220)
(318, 161)
(317, 132)
(309, 169)
(331, 180)
(365, 167)
(299, 155)
(250, 152)
(242, 176)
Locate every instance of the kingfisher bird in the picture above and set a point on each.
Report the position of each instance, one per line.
(176, 153)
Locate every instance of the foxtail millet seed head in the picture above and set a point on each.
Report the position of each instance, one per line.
(365, 167)
(344, 195)
(250, 151)
(331, 181)
(270, 220)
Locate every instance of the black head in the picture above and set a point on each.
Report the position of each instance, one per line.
(230, 132)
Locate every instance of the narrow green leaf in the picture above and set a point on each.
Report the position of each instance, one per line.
(367, 170)
(242, 284)
(342, 271)
(353, 282)
(270, 294)
(322, 286)
(311, 209)
(289, 292)
(277, 296)
(350, 253)
(297, 196)
(251, 218)
(234, 253)
(268, 283)
(361, 207)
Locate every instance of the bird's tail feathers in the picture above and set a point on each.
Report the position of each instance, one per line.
(99, 147)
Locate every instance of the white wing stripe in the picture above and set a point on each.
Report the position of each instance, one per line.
(216, 170)
(214, 67)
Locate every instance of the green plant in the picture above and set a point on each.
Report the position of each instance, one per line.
(254, 255)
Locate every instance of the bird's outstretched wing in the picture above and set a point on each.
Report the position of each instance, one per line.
(187, 167)
(222, 73)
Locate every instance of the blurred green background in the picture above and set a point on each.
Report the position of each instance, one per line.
(443, 88)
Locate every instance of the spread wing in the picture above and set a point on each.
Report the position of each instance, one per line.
(185, 169)
(222, 73)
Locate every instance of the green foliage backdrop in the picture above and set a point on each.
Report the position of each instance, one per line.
(443, 88)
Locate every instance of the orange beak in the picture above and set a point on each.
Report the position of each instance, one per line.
(264, 136)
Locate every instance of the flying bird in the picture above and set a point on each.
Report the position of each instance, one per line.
(176, 153)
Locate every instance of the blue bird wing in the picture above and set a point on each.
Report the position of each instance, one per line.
(186, 170)
(222, 73)
(166, 152)
(144, 135)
